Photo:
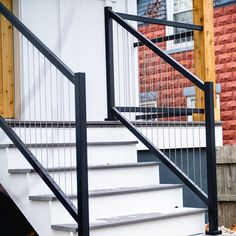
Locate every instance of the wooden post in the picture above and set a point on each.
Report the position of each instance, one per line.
(204, 51)
(6, 65)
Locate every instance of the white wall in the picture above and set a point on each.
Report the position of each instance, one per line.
(74, 31)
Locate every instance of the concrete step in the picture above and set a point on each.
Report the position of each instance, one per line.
(64, 155)
(119, 201)
(100, 177)
(177, 222)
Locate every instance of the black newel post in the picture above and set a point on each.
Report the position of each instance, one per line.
(81, 155)
(211, 160)
(109, 63)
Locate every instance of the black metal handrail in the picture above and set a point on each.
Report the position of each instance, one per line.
(179, 173)
(160, 21)
(155, 112)
(56, 61)
(114, 112)
(42, 172)
(81, 214)
(156, 109)
(167, 58)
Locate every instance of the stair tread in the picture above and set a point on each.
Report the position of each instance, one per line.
(41, 145)
(94, 167)
(132, 219)
(109, 192)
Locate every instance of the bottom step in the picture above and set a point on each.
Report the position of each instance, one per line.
(177, 222)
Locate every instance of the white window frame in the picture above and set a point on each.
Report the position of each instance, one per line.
(191, 103)
(148, 104)
(170, 30)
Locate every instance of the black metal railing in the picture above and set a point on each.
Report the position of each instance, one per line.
(127, 111)
(77, 80)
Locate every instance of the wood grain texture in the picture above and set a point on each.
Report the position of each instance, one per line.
(204, 50)
(227, 213)
(226, 182)
(6, 64)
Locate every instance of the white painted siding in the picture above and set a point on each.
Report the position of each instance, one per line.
(74, 31)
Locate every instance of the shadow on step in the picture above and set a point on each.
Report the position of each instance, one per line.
(12, 221)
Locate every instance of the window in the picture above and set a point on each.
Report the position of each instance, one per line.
(180, 11)
(148, 99)
(190, 94)
(222, 2)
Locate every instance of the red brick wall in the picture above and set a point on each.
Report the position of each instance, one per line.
(225, 50)
(158, 76)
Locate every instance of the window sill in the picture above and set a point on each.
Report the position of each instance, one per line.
(180, 49)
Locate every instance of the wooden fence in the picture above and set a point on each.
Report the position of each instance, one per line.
(226, 174)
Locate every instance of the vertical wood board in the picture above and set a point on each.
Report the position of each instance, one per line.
(204, 50)
(6, 65)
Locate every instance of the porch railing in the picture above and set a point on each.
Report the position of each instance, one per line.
(152, 103)
(49, 128)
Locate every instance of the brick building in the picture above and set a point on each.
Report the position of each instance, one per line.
(152, 78)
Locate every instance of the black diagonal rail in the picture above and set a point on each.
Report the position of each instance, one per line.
(43, 173)
(80, 215)
(167, 58)
(56, 61)
(114, 112)
(109, 17)
(179, 173)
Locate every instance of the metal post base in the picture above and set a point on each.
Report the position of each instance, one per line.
(216, 232)
(111, 119)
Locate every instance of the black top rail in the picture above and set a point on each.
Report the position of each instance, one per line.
(56, 61)
(160, 21)
(180, 68)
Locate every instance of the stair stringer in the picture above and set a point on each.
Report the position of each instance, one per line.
(17, 187)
